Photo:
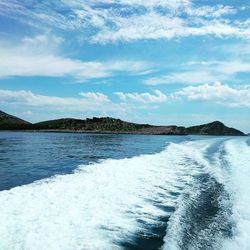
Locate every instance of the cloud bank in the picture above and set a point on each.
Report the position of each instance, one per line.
(218, 93)
(104, 21)
(38, 56)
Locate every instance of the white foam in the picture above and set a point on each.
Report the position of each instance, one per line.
(97, 206)
(213, 166)
(238, 157)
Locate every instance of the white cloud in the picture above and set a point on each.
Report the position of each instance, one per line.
(202, 72)
(105, 21)
(87, 102)
(149, 3)
(164, 19)
(150, 26)
(157, 26)
(32, 58)
(42, 39)
(143, 97)
(186, 77)
(233, 67)
(211, 11)
(95, 96)
(217, 93)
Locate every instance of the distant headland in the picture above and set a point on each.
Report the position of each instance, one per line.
(112, 125)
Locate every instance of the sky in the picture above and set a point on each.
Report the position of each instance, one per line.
(163, 62)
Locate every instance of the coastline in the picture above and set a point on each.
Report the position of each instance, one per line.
(114, 132)
(90, 132)
(109, 125)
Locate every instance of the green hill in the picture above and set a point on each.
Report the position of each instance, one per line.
(112, 125)
(10, 122)
(95, 124)
(213, 128)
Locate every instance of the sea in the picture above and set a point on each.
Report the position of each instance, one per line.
(75, 191)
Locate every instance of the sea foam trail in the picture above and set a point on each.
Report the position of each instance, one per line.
(238, 158)
(202, 217)
(101, 205)
(213, 213)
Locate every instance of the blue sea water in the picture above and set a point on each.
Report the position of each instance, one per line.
(118, 191)
(26, 157)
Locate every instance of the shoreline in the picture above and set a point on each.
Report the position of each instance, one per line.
(109, 125)
(91, 132)
(114, 132)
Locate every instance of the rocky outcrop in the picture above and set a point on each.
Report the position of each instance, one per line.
(10, 122)
(112, 125)
(213, 128)
(95, 124)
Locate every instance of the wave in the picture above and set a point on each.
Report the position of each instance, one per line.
(238, 160)
(203, 216)
(182, 196)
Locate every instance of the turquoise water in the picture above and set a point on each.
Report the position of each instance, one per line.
(92, 191)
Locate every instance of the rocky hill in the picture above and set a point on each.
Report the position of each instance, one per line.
(213, 128)
(112, 125)
(108, 124)
(10, 122)
(95, 124)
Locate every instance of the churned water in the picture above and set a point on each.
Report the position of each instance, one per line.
(93, 191)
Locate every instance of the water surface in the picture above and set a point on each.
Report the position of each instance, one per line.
(92, 191)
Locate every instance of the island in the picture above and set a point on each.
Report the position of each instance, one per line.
(112, 125)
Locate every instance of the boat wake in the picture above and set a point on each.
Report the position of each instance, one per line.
(192, 195)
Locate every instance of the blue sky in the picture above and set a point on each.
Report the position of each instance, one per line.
(181, 62)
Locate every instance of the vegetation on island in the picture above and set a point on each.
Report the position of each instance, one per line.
(112, 125)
